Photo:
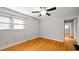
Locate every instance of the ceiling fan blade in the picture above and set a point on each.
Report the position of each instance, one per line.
(48, 14)
(40, 15)
(41, 7)
(35, 11)
(54, 8)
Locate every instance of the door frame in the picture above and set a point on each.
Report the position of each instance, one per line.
(75, 21)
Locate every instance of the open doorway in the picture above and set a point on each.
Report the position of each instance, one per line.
(70, 31)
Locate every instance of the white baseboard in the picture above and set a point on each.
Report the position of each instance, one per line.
(19, 42)
(53, 39)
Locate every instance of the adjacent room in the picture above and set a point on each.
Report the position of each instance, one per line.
(39, 28)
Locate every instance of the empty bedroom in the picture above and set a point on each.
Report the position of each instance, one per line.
(39, 28)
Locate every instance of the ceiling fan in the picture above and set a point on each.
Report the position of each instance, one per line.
(44, 11)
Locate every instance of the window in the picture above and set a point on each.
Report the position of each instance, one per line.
(11, 23)
(5, 22)
(18, 24)
(66, 26)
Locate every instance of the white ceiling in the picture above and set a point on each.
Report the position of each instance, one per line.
(27, 10)
(60, 11)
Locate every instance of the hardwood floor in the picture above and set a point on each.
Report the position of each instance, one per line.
(41, 44)
(70, 39)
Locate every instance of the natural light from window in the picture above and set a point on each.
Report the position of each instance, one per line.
(11, 23)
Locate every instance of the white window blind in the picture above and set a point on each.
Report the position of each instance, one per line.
(18, 24)
(17, 21)
(5, 22)
(4, 26)
(5, 19)
(11, 23)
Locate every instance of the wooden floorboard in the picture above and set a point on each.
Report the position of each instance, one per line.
(41, 44)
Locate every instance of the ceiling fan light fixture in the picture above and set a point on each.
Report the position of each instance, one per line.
(43, 12)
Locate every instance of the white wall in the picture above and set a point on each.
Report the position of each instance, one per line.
(33, 28)
(10, 37)
(52, 28)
